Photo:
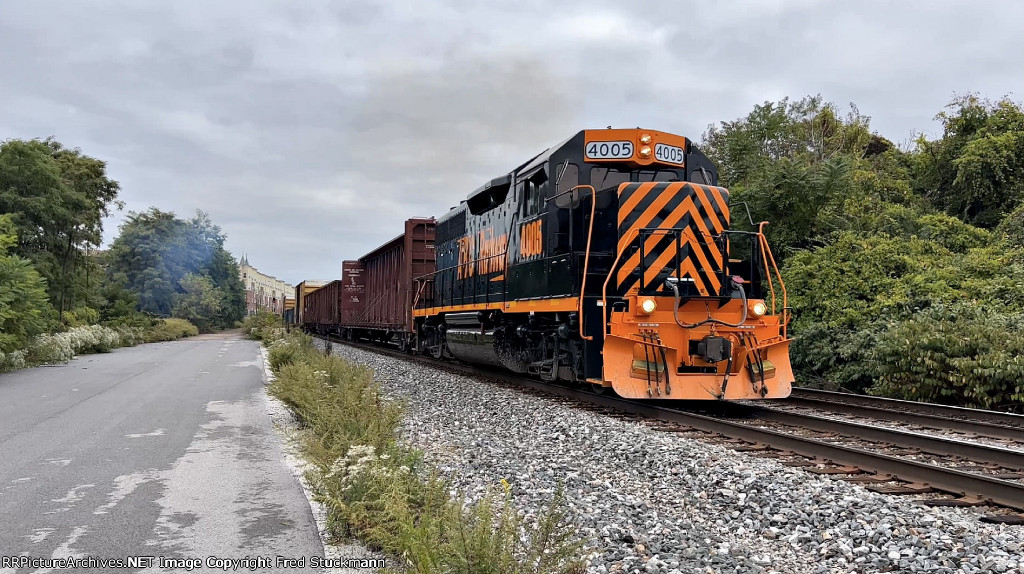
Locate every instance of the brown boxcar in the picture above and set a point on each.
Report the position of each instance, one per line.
(353, 292)
(322, 312)
(301, 290)
(385, 276)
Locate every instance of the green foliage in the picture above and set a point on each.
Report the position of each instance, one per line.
(200, 302)
(961, 354)
(24, 309)
(170, 330)
(1012, 227)
(871, 262)
(81, 317)
(177, 267)
(263, 326)
(976, 170)
(848, 293)
(58, 198)
(381, 491)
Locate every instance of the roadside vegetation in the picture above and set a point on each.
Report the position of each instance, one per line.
(904, 262)
(60, 295)
(381, 491)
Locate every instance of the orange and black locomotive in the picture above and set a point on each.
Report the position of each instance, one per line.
(607, 260)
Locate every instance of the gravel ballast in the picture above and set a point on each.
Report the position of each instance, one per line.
(652, 501)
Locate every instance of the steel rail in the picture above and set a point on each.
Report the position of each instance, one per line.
(988, 429)
(993, 417)
(944, 446)
(947, 480)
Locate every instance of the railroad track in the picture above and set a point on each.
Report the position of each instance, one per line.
(978, 422)
(885, 460)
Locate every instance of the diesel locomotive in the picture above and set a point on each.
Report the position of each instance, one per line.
(608, 260)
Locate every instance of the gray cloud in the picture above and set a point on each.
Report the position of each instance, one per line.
(310, 131)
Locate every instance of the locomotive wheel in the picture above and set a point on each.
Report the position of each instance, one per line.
(598, 389)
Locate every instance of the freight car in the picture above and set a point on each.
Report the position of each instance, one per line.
(607, 260)
(377, 298)
(301, 291)
(321, 313)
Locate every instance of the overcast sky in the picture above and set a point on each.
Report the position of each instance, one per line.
(309, 130)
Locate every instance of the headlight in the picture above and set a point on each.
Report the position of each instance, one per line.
(648, 306)
(758, 309)
(645, 138)
(645, 152)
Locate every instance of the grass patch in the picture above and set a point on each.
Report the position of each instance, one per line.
(381, 491)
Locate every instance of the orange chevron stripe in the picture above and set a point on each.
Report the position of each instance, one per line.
(695, 249)
(716, 193)
(659, 265)
(669, 255)
(684, 207)
(645, 218)
(703, 198)
(699, 221)
(633, 200)
(690, 271)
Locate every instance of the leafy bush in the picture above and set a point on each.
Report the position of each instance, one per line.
(12, 361)
(959, 354)
(170, 330)
(284, 352)
(81, 317)
(382, 492)
(263, 326)
(62, 347)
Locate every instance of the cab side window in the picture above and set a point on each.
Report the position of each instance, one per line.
(534, 191)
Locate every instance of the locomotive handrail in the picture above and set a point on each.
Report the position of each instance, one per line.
(586, 255)
(782, 285)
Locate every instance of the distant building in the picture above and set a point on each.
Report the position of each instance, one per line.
(263, 292)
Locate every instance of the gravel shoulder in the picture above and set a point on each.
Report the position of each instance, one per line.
(651, 501)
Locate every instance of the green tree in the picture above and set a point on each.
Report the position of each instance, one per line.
(976, 169)
(225, 275)
(151, 256)
(794, 163)
(59, 198)
(200, 302)
(24, 309)
(156, 251)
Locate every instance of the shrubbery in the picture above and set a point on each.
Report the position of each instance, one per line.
(61, 347)
(905, 268)
(263, 325)
(382, 492)
(170, 330)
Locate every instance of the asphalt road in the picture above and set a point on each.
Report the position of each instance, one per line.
(161, 450)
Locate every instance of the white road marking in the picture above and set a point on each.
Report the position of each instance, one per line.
(57, 461)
